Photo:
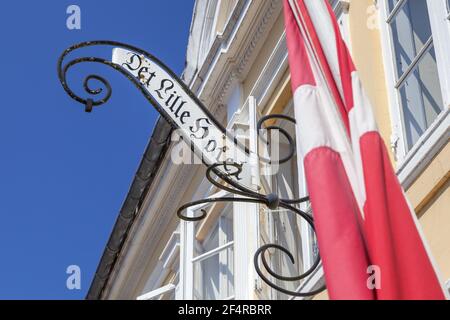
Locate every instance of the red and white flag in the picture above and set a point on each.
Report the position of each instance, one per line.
(361, 214)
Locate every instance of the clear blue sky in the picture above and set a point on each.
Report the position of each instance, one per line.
(64, 173)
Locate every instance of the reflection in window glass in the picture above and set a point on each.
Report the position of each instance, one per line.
(213, 255)
(421, 98)
(416, 67)
(214, 277)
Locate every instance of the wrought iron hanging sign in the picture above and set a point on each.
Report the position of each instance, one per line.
(226, 158)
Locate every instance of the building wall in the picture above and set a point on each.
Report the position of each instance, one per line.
(430, 196)
(263, 55)
(366, 51)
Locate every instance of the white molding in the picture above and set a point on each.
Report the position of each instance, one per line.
(311, 283)
(246, 223)
(170, 253)
(212, 253)
(428, 146)
(208, 29)
(187, 267)
(232, 56)
(167, 262)
(187, 231)
(156, 293)
(398, 139)
(340, 6)
(271, 74)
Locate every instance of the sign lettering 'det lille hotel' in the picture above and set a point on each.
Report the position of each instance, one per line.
(196, 126)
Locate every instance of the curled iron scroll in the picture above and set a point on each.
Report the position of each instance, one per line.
(271, 201)
(100, 95)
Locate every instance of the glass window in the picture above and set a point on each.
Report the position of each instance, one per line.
(448, 9)
(166, 292)
(213, 264)
(417, 79)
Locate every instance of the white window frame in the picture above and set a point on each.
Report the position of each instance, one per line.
(411, 163)
(187, 251)
(169, 261)
(153, 295)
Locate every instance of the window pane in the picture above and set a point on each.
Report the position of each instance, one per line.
(420, 93)
(448, 9)
(421, 98)
(214, 277)
(214, 272)
(214, 231)
(411, 29)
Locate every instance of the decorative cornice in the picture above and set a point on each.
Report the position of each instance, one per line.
(239, 69)
(226, 65)
(257, 36)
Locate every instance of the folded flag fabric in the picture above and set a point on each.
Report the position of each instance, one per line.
(361, 213)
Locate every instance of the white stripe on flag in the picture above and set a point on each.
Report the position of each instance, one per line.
(322, 118)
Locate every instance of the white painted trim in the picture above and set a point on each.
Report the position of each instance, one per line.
(171, 251)
(187, 248)
(398, 139)
(216, 17)
(156, 293)
(168, 262)
(434, 139)
(246, 215)
(340, 6)
(271, 74)
(187, 267)
(212, 253)
(311, 283)
(208, 28)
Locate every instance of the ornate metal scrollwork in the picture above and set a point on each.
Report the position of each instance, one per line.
(224, 181)
(271, 201)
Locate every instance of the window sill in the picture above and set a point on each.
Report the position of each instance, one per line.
(428, 146)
